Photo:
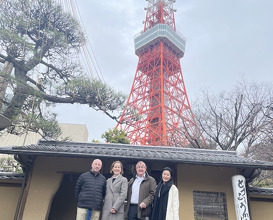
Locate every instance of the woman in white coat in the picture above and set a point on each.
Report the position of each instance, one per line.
(116, 192)
(166, 200)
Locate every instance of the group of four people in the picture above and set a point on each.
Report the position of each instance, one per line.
(145, 200)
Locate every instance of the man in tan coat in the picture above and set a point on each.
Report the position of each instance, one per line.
(140, 196)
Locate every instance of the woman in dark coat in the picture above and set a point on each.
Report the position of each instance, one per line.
(166, 201)
(116, 192)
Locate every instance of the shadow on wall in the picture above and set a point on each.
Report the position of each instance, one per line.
(64, 206)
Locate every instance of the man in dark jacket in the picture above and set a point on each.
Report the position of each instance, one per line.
(90, 192)
(141, 191)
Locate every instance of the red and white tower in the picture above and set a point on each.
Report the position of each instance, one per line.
(158, 111)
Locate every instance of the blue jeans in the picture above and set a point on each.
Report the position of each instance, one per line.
(89, 213)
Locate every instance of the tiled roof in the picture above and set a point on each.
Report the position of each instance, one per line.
(11, 176)
(174, 154)
(261, 191)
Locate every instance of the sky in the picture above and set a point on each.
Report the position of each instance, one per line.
(226, 40)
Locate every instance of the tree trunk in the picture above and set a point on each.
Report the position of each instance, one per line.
(20, 95)
(8, 66)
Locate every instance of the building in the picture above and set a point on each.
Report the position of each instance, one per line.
(74, 132)
(203, 177)
(4, 122)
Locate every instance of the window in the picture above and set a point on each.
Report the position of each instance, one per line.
(210, 205)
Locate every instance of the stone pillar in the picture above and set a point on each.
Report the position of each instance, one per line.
(240, 197)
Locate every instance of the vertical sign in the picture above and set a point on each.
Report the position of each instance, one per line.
(240, 197)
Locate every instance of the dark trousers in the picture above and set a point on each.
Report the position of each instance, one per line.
(132, 215)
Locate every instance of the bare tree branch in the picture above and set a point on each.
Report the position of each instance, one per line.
(236, 118)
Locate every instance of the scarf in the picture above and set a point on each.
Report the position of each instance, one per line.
(161, 200)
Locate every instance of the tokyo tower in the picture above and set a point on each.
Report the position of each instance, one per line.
(158, 111)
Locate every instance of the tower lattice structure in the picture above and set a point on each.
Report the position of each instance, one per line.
(158, 111)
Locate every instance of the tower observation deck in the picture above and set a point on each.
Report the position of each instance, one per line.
(164, 33)
(158, 111)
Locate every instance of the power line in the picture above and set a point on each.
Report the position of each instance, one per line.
(87, 55)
